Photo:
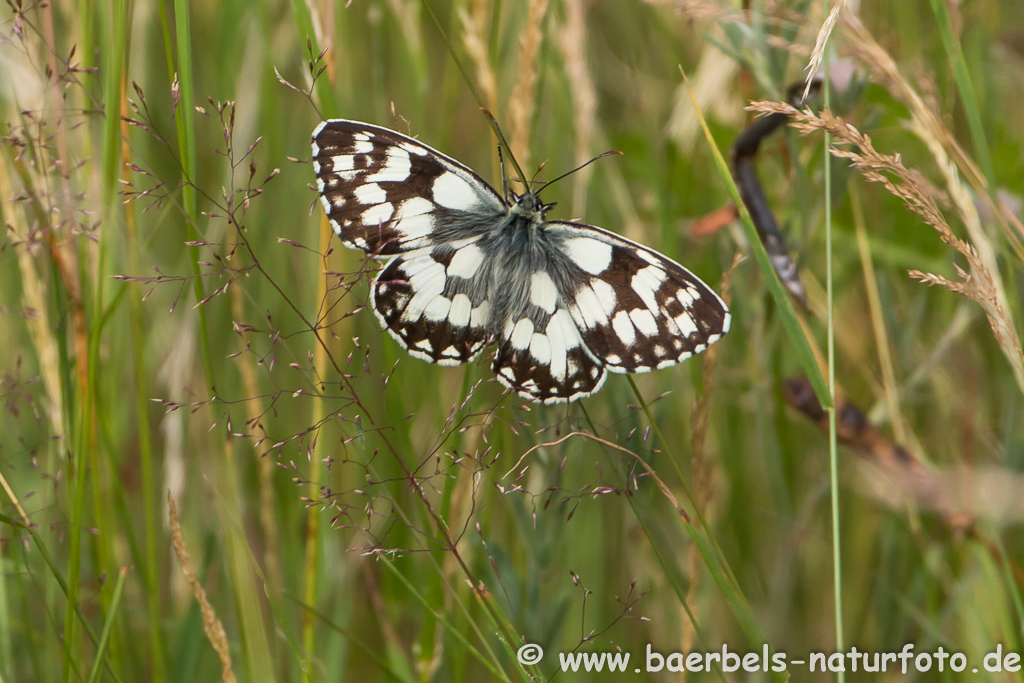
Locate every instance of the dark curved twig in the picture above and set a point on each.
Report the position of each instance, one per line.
(744, 152)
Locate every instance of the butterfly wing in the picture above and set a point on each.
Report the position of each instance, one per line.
(386, 193)
(594, 302)
(636, 309)
(543, 358)
(433, 301)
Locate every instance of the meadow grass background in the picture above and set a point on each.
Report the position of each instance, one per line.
(345, 509)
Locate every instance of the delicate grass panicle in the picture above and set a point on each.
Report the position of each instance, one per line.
(179, 323)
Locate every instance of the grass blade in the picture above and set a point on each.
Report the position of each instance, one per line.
(101, 649)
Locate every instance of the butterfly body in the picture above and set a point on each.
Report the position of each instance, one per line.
(564, 302)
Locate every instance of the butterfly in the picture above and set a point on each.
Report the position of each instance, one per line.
(565, 303)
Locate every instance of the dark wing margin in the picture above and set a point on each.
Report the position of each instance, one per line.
(636, 309)
(386, 193)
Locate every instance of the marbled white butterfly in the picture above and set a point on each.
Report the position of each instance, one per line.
(564, 302)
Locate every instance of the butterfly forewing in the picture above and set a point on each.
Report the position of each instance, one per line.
(564, 302)
(386, 193)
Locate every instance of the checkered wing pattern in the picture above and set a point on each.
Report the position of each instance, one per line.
(565, 303)
(433, 301)
(637, 310)
(603, 303)
(386, 193)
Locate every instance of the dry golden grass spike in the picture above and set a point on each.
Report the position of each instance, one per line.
(818, 53)
(574, 49)
(523, 99)
(211, 623)
(474, 32)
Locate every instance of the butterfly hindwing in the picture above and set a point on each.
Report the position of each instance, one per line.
(636, 309)
(542, 358)
(433, 301)
(386, 193)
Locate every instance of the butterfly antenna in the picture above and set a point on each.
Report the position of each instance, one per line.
(504, 179)
(564, 175)
(540, 168)
(504, 143)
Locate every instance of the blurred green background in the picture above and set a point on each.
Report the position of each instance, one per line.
(174, 326)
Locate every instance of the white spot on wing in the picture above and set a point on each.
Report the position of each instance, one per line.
(396, 167)
(685, 324)
(453, 192)
(685, 297)
(644, 321)
(414, 220)
(343, 162)
(542, 291)
(481, 315)
(466, 261)
(378, 215)
(363, 146)
(624, 329)
(594, 303)
(522, 334)
(588, 309)
(591, 255)
(437, 308)
(417, 261)
(646, 282)
(649, 257)
(413, 149)
(540, 348)
(461, 310)
(426, 284)
(605, 294)
(370, 193)
(563, 336)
